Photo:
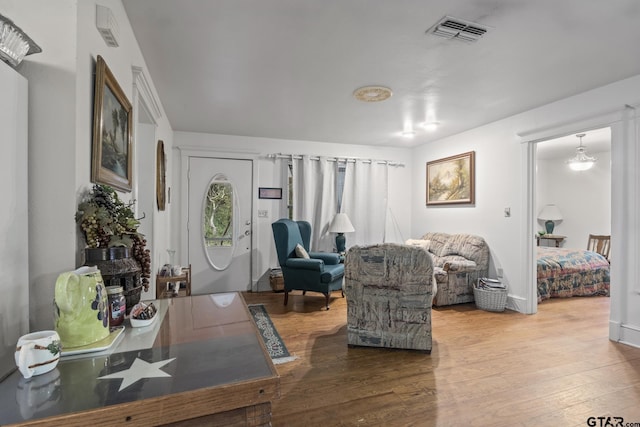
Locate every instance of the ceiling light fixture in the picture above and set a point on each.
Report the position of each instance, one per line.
(581, 161)
(14, 43)
(409, 133)
(372, 93)
(430, 126)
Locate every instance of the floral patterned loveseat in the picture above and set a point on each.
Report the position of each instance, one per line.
(458, 260)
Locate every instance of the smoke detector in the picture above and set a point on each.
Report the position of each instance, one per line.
(372, 93)
(107, 25)
(458, 29)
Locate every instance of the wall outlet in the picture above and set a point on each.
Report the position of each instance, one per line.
(499, 272)
(263, 213)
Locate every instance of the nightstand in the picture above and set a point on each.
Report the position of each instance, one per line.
(558, 239)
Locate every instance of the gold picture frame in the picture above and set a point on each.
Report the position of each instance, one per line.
(112, 149)
(161, 184)
(452, 180)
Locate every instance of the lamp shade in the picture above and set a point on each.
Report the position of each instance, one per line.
(550, 212)
(341, 224)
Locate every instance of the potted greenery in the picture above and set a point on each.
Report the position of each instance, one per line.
(111, 232)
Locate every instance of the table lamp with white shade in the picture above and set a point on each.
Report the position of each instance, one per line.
(549, 214)
(341, 224)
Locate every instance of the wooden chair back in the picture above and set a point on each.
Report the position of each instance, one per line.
(600, 244)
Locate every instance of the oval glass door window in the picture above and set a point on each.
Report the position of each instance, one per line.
(218, 225)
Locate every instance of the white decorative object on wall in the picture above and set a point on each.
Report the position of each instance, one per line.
(107, 25)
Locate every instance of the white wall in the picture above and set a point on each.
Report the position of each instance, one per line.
(14, 224)
(60, 129)
(502, 166)
(120, 61)
(498, 183)
(52, 156)
(269, 175)
(584, 198)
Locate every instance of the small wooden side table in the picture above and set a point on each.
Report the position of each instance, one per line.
(161, 284)
(555, 237)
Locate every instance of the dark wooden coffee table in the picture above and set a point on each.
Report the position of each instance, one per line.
(202, 362)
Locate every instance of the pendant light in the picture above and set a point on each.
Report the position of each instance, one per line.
(581, 161)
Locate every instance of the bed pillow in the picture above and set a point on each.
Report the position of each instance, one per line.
(418, 242)
(301, 252)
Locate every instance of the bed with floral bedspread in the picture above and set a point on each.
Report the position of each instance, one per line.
(564, 272)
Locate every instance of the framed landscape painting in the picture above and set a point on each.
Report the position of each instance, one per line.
(111, 159)
(451, 180)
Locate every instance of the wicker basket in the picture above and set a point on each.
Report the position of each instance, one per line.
(490, 299)
(276, 280)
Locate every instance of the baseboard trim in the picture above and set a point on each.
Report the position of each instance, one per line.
(518, 304)
(614, 330)
(629, 335)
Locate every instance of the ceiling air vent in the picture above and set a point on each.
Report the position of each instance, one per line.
(459, 29)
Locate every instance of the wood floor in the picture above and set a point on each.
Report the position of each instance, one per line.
(554, 368)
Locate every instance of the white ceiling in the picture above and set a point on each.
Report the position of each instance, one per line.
(287, 68)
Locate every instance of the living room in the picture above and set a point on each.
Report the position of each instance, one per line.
(60, 133)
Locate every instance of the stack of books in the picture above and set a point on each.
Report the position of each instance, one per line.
(490, 284)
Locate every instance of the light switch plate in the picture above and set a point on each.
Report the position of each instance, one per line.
(263, 213)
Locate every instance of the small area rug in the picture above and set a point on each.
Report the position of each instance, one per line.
(275, 346)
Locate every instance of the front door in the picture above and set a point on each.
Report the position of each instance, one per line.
(219, 227)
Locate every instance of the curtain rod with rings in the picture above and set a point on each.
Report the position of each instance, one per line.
(335, 159)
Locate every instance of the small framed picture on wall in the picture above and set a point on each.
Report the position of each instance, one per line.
(269, 193)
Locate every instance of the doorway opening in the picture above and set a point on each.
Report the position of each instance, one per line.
(569, 205)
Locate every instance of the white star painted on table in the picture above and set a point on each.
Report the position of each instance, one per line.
(139, 369)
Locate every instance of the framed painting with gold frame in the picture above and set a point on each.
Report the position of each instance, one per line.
(161, 184)
(451, 180)
(112, 150)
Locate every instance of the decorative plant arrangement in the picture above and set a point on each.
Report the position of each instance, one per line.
(108, 222)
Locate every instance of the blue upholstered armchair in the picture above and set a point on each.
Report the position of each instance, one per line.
(321, 272)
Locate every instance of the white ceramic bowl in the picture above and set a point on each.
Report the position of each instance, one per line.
(138, 323)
